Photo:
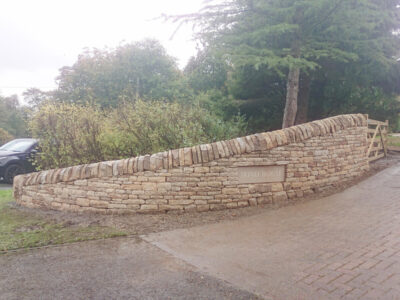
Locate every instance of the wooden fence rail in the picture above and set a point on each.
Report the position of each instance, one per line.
(377, 139)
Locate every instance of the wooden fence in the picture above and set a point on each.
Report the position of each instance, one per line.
(377, 139)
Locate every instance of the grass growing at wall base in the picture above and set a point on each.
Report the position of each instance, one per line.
(19, 229)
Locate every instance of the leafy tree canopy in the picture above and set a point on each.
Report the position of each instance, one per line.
(302, 37)
(141, 70)
(13, 117)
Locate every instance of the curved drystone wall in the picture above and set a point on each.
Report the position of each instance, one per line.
(263, 168)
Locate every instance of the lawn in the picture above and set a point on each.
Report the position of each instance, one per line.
(19, 229)
(394, 141)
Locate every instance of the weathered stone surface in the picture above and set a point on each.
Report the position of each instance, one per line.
(199, 155)
(153, 162)
(313, 156)
(188, 156)
(232, 147)
(221, 151)
(204, 153)
(165, 159)
(140, 167)
(194, 155)
(228, 152)
(146, 163)
(215, 150)
(181, 157)
(210, 152)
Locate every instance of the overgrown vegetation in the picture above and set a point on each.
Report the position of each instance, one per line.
(72, 134)
(23, 230)
(259, 62)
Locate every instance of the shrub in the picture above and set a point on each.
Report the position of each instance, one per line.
(148, 127)
(72, 134)
(69, 134)
(4, 136)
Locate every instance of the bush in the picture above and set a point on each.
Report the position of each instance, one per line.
(5, 136)
(69, 134)
(72, 134)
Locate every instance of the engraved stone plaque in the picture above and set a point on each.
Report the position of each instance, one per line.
(261, 174)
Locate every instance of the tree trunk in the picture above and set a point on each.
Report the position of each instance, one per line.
(304, 95)
(137, 88)
(292, 93)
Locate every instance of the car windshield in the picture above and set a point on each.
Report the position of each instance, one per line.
(17, 145)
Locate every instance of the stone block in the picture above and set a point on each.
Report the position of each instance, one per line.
(82, 202)
(279, 197)
(146, 163)
(149, 186)
(276, 187)
(188, 159)
(230, 191)
(149, 207)
(98, 204)
(215, 150)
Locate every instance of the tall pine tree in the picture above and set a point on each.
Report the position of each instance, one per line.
(297, 37)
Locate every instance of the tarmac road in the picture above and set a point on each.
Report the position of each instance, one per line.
(120, 268)
(4, 186)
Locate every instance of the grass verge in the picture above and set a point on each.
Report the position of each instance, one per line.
(20, 229)
(394, 141)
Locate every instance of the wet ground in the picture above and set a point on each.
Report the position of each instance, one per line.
(122, 268)
(346, 245)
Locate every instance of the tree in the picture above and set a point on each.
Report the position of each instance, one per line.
(106, 77)
(206, 71)
(34, 96)
(296, 37)
(13, 118)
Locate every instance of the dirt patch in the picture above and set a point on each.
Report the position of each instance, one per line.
(144, 224)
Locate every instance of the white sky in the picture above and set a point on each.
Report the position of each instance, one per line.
(38, 37)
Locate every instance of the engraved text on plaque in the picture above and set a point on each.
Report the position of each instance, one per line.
(261, 174)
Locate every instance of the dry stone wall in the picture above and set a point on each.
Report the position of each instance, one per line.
(265, 168)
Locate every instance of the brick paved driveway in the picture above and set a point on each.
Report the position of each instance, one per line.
(344, 246)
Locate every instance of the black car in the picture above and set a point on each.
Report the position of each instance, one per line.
(16, 157)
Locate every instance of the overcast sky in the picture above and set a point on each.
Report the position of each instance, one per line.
(38, 37)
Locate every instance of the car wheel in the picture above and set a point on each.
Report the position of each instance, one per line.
(12, 171)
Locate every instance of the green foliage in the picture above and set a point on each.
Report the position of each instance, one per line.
(4, 136)
(72, 134)
(69, 134)
(206, 71)
(12, 116)
(353, 99)
(344, 42)
(148, 127)
(141, 70)
(34, 97)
